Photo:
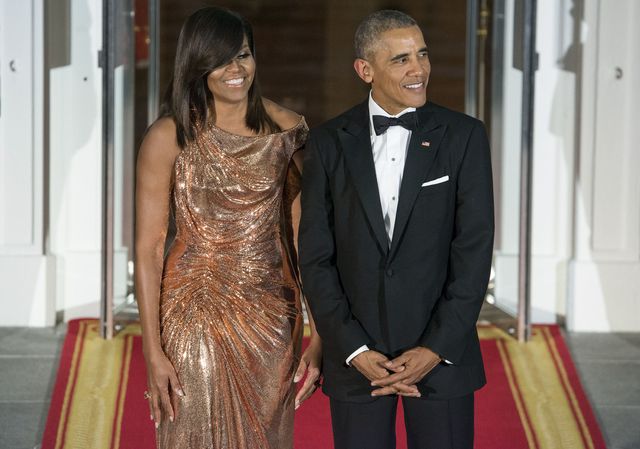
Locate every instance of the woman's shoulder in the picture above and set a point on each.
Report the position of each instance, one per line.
(164, 127)
(285, 118)
(160, 140)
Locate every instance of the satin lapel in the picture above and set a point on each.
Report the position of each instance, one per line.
(356, 144)
(422, 151)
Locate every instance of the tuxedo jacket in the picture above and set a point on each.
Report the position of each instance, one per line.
(426, 287)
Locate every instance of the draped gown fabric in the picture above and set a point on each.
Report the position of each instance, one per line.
(230, 317)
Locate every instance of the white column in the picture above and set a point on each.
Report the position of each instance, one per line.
(506, 169)
(26, 277)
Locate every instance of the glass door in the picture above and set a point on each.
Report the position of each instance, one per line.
(500, 70)
(119, 57)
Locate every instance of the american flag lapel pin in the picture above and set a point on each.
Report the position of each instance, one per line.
(425, 144)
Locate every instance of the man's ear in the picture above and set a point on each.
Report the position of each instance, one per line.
(364, 70)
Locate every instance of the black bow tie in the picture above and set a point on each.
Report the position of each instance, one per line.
(381, 123)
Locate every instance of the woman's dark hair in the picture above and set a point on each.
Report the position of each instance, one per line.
(210, 38)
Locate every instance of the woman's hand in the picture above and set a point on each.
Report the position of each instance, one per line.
(310, 363)
(161, 378)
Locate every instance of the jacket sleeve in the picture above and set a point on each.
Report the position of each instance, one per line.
(320, 279)
(457, 310)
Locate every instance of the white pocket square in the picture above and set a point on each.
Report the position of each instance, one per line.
(436, 181)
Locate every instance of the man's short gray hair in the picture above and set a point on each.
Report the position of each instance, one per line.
(374, 25)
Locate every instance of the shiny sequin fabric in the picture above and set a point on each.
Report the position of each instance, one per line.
(230, 309)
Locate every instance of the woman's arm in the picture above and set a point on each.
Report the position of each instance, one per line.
(153, 192)
(311, 360)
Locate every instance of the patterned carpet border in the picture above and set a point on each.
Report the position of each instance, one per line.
(533, 399)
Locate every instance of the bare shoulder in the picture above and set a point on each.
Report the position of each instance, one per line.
(285, 118)
(160, 144)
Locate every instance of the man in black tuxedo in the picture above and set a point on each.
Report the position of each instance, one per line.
(395, 247)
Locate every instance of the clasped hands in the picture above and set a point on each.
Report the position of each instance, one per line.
(398, 376)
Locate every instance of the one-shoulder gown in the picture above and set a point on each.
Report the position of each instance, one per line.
(230, 317)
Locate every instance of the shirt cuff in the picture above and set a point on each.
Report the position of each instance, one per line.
(360, 350)
(447, 362)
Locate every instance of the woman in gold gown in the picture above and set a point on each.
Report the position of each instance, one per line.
(220, 313)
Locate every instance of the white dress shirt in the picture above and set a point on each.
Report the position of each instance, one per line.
(389, 153)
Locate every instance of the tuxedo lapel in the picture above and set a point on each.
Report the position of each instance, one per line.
(422, 151)
(356, 144)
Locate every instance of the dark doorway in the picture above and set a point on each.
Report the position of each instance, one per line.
(305, 51)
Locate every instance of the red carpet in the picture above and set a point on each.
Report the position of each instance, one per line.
(533, 399)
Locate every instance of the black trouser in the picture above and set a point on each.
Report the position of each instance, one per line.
(430, 424)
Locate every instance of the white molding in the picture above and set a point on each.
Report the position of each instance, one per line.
(26, 284)
(606, 297)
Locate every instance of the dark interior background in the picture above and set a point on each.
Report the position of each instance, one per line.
(304, 50)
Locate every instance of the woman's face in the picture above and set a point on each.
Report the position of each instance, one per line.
(230, 83)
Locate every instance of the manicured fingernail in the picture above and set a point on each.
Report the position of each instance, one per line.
(180, 393)
(157, 424)
(296, 379)
(151, 417)
(297, 405)
(171, 418)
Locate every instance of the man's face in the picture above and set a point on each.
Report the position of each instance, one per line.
(398, 70)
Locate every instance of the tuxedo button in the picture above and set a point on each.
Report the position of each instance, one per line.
(389, 272)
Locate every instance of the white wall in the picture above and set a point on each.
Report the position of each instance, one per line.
(76, 156)
(605, 276)
(586, 183)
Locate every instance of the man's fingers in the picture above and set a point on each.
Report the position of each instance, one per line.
(395, 369)
(409, 395)
(396, 363)
(381, 373)
(390, 380)
(407, 390)
(385, 391)
(302, 368)
(374, 372)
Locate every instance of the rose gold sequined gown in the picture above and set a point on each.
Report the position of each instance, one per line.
(229, 311)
